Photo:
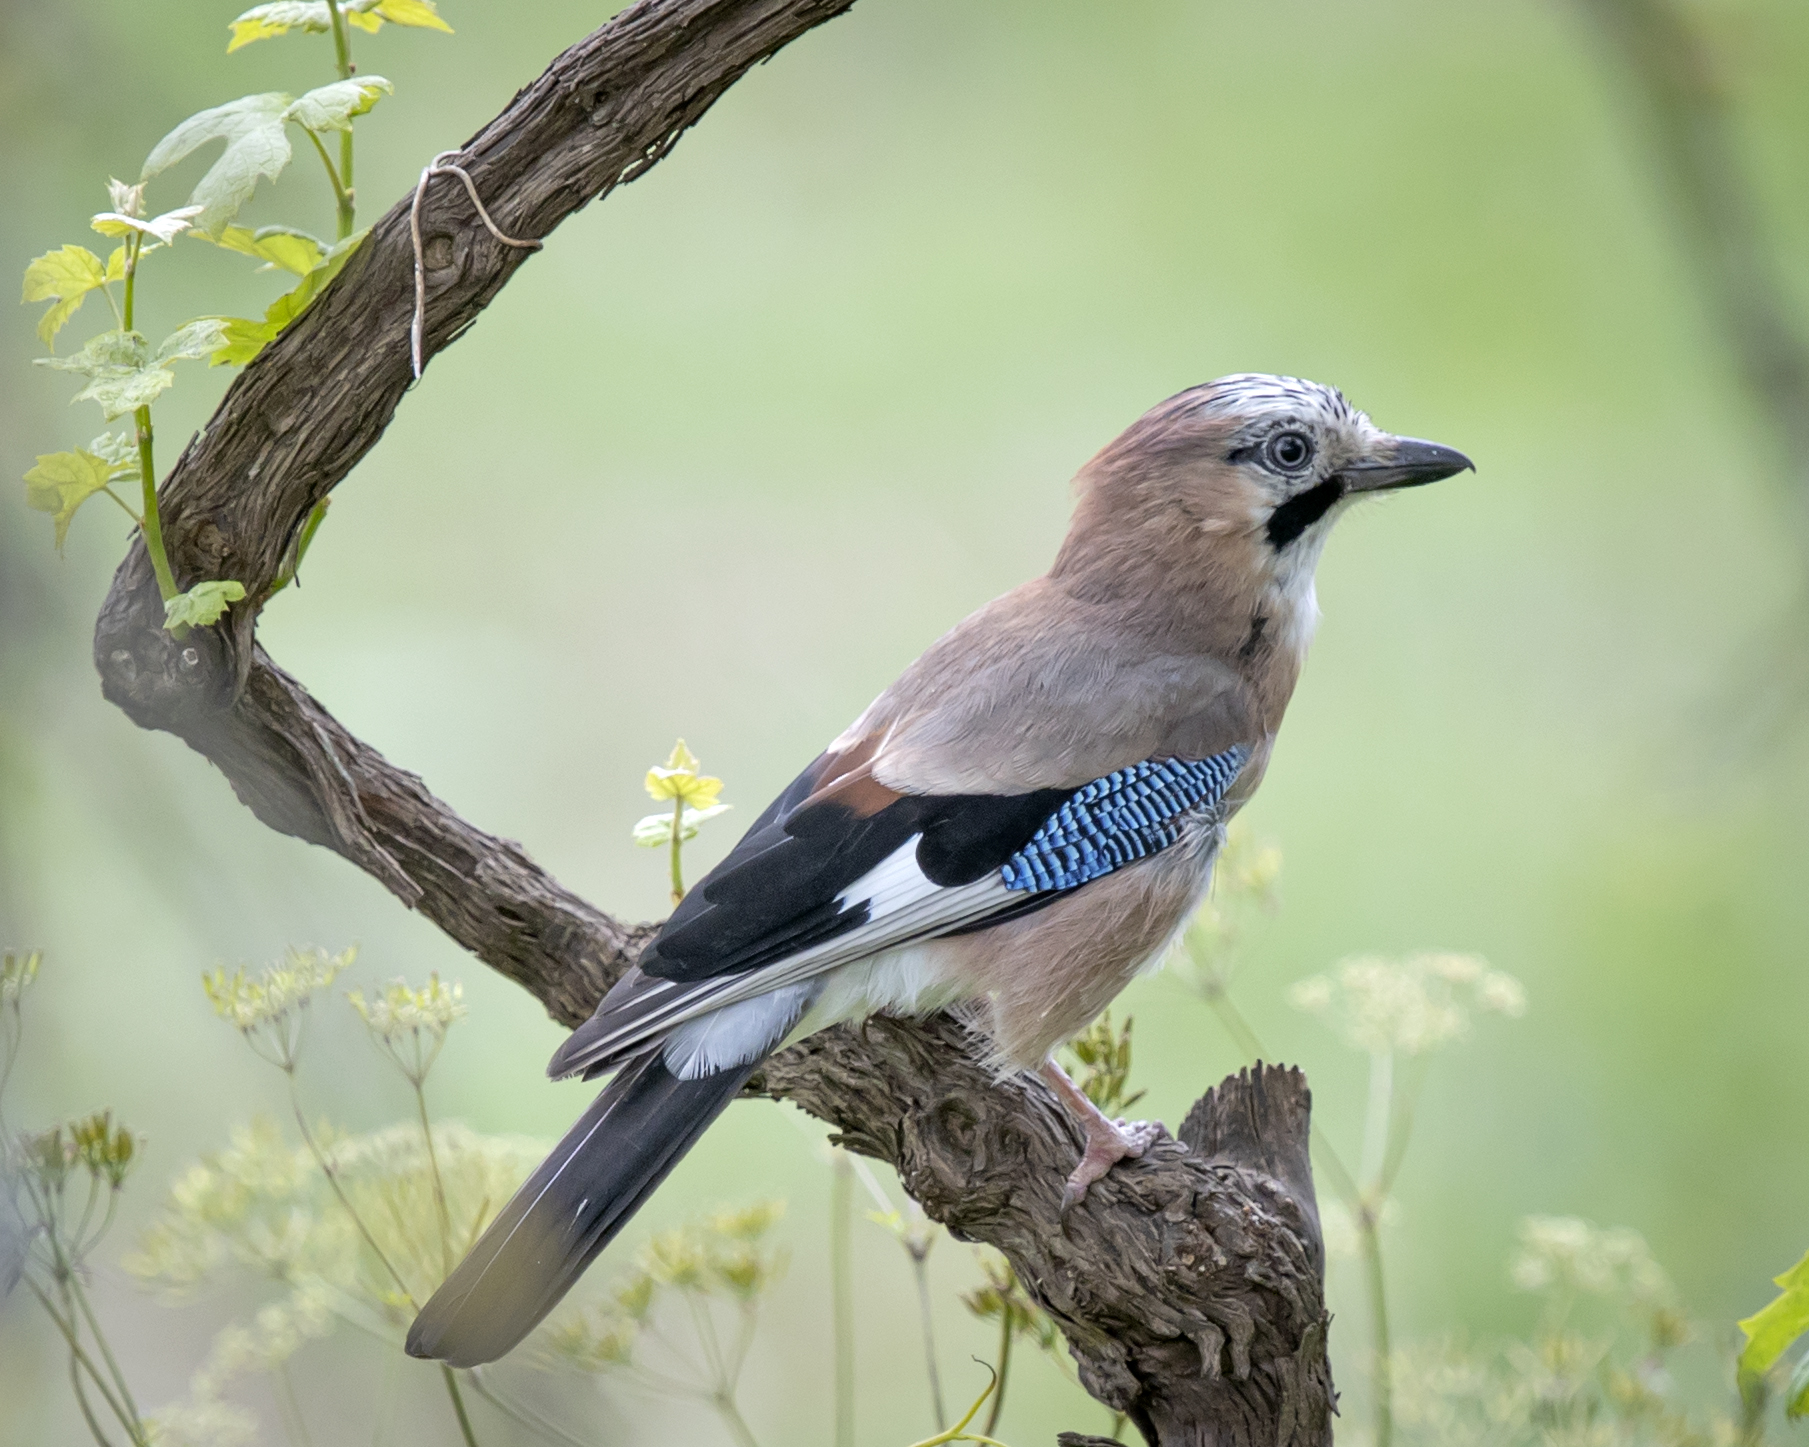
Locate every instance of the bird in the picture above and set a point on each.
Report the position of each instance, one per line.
(1017, 827)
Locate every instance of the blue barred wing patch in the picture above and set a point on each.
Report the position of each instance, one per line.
(1126, 816)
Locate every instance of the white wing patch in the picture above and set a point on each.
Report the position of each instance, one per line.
(902, 906)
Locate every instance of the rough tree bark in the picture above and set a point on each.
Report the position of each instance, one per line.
(1189, 1284)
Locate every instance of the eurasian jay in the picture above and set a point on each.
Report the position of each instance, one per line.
(1020, 824)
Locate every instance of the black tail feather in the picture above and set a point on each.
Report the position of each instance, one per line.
(573, 1205)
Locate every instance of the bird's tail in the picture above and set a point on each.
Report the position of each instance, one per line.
(570, 1209)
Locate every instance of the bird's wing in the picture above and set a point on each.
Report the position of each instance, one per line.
(840, 868)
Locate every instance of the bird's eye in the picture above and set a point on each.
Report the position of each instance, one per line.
(1289, 451)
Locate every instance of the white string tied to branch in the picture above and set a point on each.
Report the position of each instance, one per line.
(439, 167)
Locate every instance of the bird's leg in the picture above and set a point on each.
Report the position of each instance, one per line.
(1108, 1141)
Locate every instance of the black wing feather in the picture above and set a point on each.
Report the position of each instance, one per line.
(777, 891)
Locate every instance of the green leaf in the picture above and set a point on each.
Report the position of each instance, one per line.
(331, 107)
(192, 341)
(201, 605)
(257, 146)
(64, 277)
(418, 13)
(165, 228)
(1770, 1332)
(119, 450)
(124, 374)
(654, 831)
(280, 248)
(263, 22)
(62, 482)
(1796, 1395)
(244, 338)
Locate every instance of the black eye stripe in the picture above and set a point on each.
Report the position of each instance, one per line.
(1299, 513)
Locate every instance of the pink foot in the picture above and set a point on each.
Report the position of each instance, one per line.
(1108, 1141)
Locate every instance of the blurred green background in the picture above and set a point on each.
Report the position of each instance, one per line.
(744, 439)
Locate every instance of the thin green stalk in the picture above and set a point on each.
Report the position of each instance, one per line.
(998, 1395)
(342, 54)
(920, 1267)
(724, 1403)
(332, 1176)
(439, 1185)
(66, 1325)
(526, 1416)
(151, 523)
(841, 1286)
(678, 844)
(122, 505)
(1246, 1040)
(296, 1423)
(1378, 1303)
(100, 1340)
(81, 1401)
(458, 1400)
(959, 1432)
(340, 195)
(316, 516)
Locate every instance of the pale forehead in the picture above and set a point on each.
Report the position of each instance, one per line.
(1248, 396)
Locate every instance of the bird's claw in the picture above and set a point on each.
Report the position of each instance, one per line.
(1107, 1144)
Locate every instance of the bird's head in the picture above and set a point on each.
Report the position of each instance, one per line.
(1247, 474)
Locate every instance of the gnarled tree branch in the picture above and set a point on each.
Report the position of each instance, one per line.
(1189, 1284)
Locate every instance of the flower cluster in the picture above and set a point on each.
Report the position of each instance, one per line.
(1565, 1256)
(266, 1007)
(410, 1025)
(1410, 1006)
(724, 1256)
(17, 971)
(1103, 1054)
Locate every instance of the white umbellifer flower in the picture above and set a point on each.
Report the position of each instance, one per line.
(400, 1011)
(1409, 1006)
(248, 1002)
(1565, 1253)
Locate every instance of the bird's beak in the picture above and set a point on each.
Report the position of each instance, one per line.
(1404, 462)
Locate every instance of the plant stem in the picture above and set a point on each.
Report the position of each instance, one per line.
(316, 516)
(998, 1396)
(332, 1176)
(100, 1340)
(81, 1400)
(342, 53)
(292, 1410)
(678, 843)
(1378, 1304)
(841, 1287)
(66, 1325)
(920, 1267)
(724, 1403)
(1246, 1039)
(439, 1185)
(152, 523)
(458, 1401)
(340, 194)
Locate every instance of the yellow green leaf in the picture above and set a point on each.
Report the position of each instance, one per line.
(280, 248)
(331, 107)
(256, 148)
(419, 13)
(202, 604)
(64, 277)
(61, 482)
(263, 22)
(678, 778)
(244, 338)
(165, 228)
(1770, 1331)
